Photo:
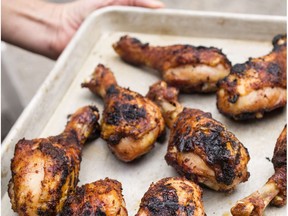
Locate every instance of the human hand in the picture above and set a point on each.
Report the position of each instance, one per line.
(46, 28)
(73, 14)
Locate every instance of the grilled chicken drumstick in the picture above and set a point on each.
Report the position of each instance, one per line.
(45, 170)
(200, 148)
(189, 68)
(257, 86)
(131, 123)
(275, 189)
(174, 197)
(103, 197)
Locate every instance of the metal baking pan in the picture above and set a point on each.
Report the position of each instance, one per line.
(239, 36)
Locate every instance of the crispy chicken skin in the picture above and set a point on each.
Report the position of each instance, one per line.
(274, 192)
(103, 197)
(45, 170)
(189, 68)
(200, 148)
(172, 197)
(257, 86)
(130, 123)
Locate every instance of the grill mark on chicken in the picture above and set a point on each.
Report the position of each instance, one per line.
(274, 69)
(127, 97)
(168, 205)
(238, 68)
(126, 112)
(172, 196)
(87, 210)
(112, 90)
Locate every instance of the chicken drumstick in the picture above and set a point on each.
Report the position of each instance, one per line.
(274, 191)
(257, 86)
(189, 68)
(45, 170)
(200, 148)
(130, 123)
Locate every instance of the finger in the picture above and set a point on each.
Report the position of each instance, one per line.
(143, 3)
(84, 8)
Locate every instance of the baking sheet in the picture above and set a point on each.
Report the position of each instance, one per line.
(239, 36)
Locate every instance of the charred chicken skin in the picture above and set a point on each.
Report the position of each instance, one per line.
(174, 197)
(257, 86)
(200, 148)
(130, 123)
(274, 192)
(189, 68)
(103, 197)
(45, 170)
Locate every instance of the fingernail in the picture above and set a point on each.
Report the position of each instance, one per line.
(157, 4)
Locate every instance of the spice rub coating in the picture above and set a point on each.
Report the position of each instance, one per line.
(195, 132)
(187, 67)
(130, 122)
(256, 86)
(200, 147)
(103, 197)
(46, 170)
